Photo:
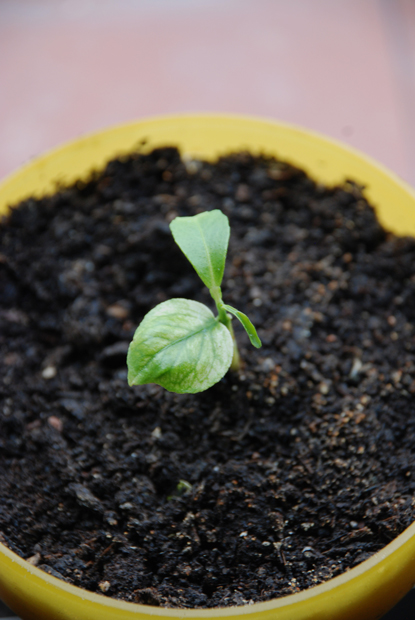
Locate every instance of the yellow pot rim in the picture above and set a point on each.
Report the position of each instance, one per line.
(203, 116)
(374, 563)
(161, 119)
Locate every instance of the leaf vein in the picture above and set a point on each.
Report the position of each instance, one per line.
(176, 342)
(209, 261)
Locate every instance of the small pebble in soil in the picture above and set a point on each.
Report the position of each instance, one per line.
(49, 372)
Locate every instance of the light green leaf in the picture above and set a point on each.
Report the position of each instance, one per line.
(250, 329)
(180, 346)
(204, 239)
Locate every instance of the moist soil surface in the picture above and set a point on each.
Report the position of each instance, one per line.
(279, 477)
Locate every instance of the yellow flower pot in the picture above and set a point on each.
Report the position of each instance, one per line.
(364, 592)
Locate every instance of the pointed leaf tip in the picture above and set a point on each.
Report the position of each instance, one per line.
(249, 328)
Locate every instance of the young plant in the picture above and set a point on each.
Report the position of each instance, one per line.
(180, 344)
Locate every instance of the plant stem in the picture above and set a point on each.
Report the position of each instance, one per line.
(236, 360)
(224, 318)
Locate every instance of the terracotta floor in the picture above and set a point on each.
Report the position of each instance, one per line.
(345, 68)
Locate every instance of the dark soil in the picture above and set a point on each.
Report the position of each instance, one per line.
(300, 466)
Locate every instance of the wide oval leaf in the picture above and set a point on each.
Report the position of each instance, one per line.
(180, 346)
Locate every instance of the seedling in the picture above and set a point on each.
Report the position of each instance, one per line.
(180, 344)
(183, 488)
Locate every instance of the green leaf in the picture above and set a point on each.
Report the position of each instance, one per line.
(250, 329)
(180, 346)
(204, 239)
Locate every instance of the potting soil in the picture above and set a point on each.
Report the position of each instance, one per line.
(281, 476)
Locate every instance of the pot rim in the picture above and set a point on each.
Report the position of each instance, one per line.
(372, 563)
(226, 119)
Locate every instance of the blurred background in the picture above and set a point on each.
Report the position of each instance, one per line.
(345, 68)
